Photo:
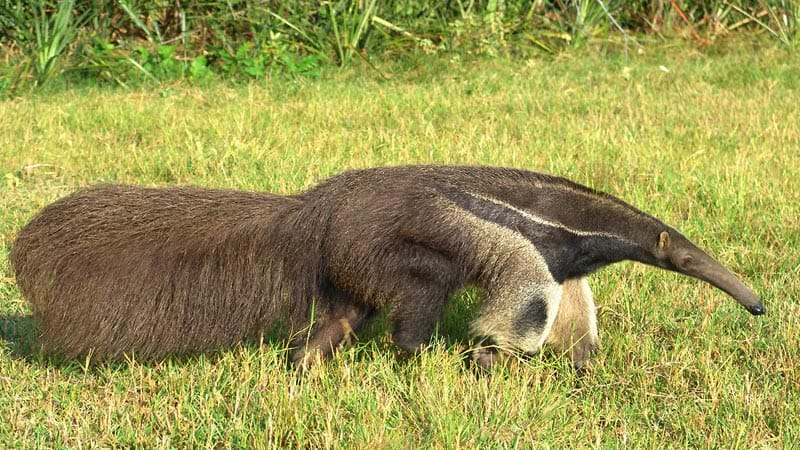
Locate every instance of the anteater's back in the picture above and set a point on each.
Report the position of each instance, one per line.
(116, 269)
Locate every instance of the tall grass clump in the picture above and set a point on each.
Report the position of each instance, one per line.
(343, 28)
(43, 31)
(779, 18)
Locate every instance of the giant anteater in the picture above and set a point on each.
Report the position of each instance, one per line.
(113, 270)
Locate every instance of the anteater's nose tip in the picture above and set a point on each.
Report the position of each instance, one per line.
(757, 309)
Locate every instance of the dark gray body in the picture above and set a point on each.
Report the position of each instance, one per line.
(118, 269)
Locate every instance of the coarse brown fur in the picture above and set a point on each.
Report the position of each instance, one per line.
(114, 270)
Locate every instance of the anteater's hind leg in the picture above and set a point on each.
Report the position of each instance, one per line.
(423, 282)
(416, 317)
(575, 327)
(328, 332)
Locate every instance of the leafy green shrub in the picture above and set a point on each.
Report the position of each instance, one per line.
(248, 60)
(120, 41)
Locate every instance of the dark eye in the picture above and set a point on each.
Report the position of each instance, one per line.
(685, 262)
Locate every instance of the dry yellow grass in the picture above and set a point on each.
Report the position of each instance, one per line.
(710, 146)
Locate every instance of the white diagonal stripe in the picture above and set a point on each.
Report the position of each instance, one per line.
(545, 222)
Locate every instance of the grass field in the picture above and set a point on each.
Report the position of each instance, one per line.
(710, 143)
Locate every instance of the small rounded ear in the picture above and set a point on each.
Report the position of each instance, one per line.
(663, 240)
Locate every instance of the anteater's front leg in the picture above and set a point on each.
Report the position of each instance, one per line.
(522, 299)
(518, 320)
(575, 327)
(522, 296)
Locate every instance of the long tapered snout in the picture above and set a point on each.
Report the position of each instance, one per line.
(690, 260)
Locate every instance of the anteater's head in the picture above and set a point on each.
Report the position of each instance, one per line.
(674, 252)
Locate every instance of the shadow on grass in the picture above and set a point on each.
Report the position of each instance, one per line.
(21, 335)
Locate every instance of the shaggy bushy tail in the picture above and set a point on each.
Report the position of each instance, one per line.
(118, 269)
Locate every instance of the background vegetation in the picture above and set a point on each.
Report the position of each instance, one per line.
(130, 41)
(689, 110)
